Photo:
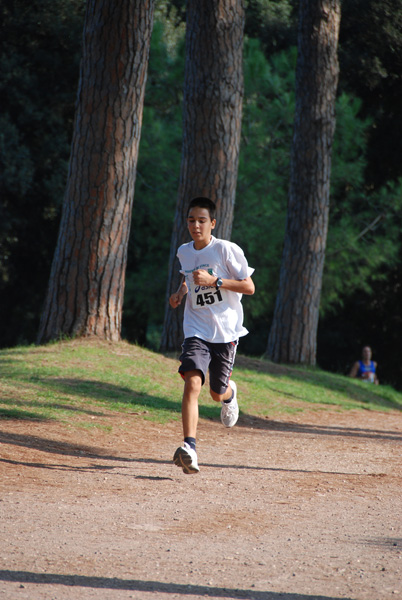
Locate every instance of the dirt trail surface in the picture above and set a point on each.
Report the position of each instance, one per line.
(300, 507)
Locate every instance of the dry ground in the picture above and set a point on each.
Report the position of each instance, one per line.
(298, 508)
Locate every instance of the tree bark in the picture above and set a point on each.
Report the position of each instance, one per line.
(293, 334)
(86, 286)
(212, 109)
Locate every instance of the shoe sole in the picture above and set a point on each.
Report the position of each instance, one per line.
(182, 459)
(237, 416)
(231, 424)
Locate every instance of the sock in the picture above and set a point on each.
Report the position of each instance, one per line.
(190, 441)
(229, 400)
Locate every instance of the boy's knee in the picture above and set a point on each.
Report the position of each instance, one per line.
(193, 380)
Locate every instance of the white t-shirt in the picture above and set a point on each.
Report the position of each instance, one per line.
(210, 314)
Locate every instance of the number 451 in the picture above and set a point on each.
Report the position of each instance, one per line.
(209, 298)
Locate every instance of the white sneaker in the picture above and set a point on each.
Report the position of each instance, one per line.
(230, 411)
(186, 458)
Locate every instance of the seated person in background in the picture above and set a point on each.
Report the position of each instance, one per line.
(366, 368)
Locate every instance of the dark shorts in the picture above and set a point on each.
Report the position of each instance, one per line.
(200, 355)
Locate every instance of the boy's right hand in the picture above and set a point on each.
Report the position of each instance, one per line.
(175, 300)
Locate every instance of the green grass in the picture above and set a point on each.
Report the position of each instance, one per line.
(84, 382)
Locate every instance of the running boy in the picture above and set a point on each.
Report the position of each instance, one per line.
(216, 274)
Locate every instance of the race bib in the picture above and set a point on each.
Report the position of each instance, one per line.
(204, 296)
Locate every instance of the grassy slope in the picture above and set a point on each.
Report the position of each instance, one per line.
(80, 382)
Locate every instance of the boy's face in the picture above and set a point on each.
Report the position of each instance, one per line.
(200, 226)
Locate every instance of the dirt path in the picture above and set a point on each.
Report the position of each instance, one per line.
(299, 508)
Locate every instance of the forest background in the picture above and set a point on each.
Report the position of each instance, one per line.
(361, 300)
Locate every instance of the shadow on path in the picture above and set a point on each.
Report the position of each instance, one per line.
(56, 447)
(81, 451)
(114, 583)
(254, 422)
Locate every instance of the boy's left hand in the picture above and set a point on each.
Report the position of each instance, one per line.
(202, 277)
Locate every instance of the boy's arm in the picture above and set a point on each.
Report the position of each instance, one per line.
(243, 286)
(176, 298)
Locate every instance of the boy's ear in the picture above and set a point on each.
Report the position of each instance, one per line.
(213, 223)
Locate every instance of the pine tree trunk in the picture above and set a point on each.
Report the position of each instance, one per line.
(86, 286)
(293, 333)
(212, 109)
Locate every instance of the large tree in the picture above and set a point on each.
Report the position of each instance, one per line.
(212, 108)
(293, 332)
(86, 287)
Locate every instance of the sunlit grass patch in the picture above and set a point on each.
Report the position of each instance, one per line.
(82, 382)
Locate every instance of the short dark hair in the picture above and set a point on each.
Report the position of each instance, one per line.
(202, 202)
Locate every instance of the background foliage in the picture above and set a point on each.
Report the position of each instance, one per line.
(39, 59)
(39, 62)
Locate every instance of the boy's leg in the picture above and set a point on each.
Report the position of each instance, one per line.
(220, 370)
(230, 407)
(222, 389)
(186, 456)
(194, 366)
(221, 397)
(189, 406)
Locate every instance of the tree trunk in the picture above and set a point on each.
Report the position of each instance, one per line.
(212, 108)
(86, 286)
(293, 333)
